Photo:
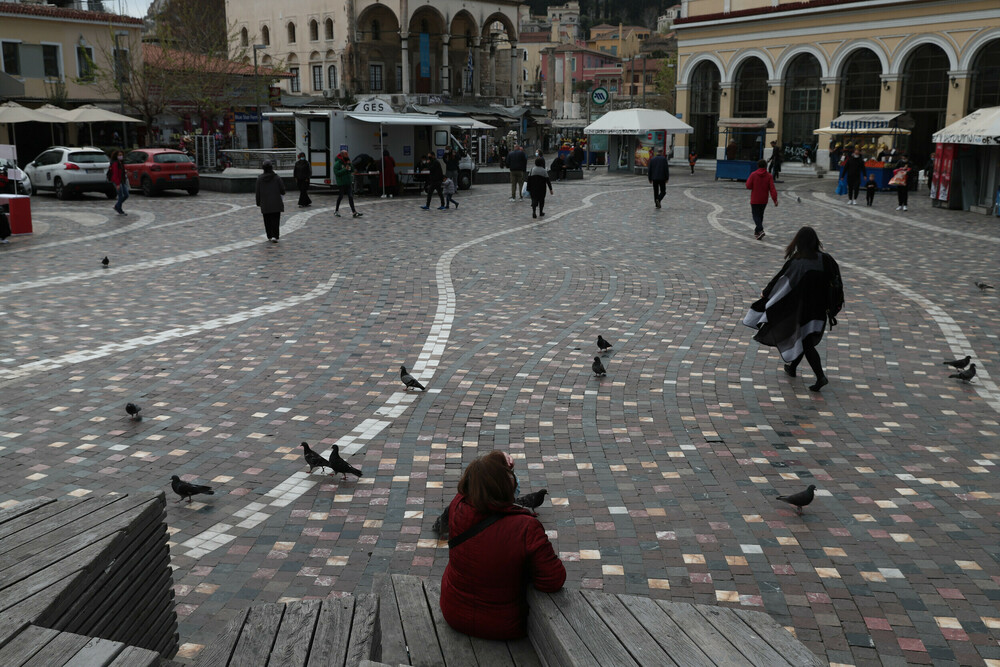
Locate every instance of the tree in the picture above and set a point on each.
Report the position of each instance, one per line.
(666, 82)
(197, 26)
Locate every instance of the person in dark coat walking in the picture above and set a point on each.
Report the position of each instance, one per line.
(658, 173)
(451, 163)
(302, 172)
(760, 184)
(775, 161)
(854, 173)
(484, 587)
(119, 177)
(538, 182)
(517, 162)
(387, 174)
(435, 178)
(792, 313)
(269, 192)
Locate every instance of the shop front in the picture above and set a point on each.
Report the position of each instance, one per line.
(967, 163)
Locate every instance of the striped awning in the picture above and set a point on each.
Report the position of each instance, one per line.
(876, 120)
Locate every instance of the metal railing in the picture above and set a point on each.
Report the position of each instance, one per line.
(251, 158)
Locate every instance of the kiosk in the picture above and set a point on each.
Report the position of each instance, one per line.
(743, 146)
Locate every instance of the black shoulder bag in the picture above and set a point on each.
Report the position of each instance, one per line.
(475, 530)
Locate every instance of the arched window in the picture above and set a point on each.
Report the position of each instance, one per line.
(704, 112)
(313, 31)
(802, 100)
(925, 97)
(986, 77)
(291, 33)
(265, 36)
(376, 31)
(331, 76)
(328, 31)
(862, 86)
(244, 37)
(424, 27)
(751, 89)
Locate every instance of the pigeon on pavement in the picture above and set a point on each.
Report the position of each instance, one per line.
(798, 199)
(409, 380)
(966, 375)
(958, 363)
(313, 459)
(133, 410)
(105, 261)
(441, 524)
(531, 500)
(602, 343)
(800, 499)
(340, 465)
(983, 286)
(598, 367)
(186, 489)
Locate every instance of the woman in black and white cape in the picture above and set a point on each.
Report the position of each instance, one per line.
(793, 311)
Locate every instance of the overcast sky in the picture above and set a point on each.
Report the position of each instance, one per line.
(128, 7)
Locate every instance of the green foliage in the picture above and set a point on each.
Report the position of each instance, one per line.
(666, 82)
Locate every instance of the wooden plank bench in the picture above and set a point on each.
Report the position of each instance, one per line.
(336, 632)
(573, 627)
(26, 645)
(95, 567)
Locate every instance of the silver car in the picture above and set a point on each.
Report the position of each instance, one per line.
(68, 171)
(17, 187)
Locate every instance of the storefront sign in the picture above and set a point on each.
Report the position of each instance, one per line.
(647, 144)
(246, 117)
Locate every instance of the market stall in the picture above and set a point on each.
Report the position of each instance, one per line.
(882, 170)
(744, 146)
(967, 163)
(634, 134)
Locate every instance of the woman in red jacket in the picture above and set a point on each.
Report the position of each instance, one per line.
(760, 184)
(119, 178)
(501, 549)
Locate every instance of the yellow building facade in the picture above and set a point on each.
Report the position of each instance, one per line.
(802, 64)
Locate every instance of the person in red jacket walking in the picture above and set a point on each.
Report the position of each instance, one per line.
(760, 184)
(118, 176)
(497, 549)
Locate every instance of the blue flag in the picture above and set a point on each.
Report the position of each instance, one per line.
(425, 55)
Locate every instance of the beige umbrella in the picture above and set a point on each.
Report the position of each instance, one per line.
(56, 113)
(88, 113)
(12, 112)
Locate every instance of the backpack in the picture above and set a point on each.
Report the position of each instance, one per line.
(107, 175)
(835, 289)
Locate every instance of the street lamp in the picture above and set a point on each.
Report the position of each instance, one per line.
(256, 95)
(120, 74)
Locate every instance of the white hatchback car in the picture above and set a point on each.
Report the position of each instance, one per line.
(68, 171)
(21, 186)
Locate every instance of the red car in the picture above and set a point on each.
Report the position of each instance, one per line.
(154, 170)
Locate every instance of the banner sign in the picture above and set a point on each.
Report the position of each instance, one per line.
(425, 55)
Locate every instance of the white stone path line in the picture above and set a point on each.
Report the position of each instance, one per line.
(294, 223)
(395, 404)
(957, 341)
(9, 376)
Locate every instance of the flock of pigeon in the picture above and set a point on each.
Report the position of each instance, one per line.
(964, 374)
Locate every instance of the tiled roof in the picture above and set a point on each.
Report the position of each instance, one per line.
(171, 59)
(775, 9)
(47, 11)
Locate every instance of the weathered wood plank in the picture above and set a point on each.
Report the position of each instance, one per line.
(523, 653)
(740, 635)
(681, 648)
(133, 656)
(365, 640)
(491, 653)
(417, 625)
(332, 633)
(154, 621)
(295, 634)
(717, 647)
(258, 635)
(136, 603)
(96, 653)
(552, 635)
(9, 530)
(10, 627)
(592, 630)
(26, 644)
(780, 639)
(62, 647)
(393, 641)
(14, 511)
(456, 647)
(628, 631)
(218, 652)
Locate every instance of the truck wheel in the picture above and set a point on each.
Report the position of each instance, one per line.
(464, 180)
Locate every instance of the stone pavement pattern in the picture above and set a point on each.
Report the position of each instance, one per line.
(662, 476)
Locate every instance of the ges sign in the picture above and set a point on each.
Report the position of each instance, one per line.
(374, 106)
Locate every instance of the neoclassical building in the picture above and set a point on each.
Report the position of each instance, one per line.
(447, 48)
(804, 63)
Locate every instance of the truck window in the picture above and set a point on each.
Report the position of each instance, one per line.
(441, 137)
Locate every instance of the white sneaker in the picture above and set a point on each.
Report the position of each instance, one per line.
(899, 208)
(905, 209)
(511, 199)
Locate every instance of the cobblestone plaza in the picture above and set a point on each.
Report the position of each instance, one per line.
(662, 476)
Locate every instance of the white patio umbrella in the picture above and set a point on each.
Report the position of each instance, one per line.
(638, 121)
(60, 114)
(13, 113)
(88, 113)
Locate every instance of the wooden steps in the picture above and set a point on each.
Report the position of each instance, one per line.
(25, 645)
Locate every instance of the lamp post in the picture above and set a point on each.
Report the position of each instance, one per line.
(256, 95)
(120, 74)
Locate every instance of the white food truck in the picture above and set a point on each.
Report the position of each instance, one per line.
(371, 127)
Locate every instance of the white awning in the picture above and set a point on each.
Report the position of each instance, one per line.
(397, 118)
(637, 121)
(980, 128)
(746, 123)
(467, 122)
(270, 115)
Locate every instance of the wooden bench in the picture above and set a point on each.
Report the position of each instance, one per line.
(574, 627)
(26, 645)
(336, 632)
(415, 633)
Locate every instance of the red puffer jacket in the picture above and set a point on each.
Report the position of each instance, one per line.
(483, 591)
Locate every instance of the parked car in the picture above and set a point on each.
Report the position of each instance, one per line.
(68, 171)
(19, 187)
(154, 170)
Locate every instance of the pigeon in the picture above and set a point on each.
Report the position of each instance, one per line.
(966, 375)
(133, 410)
(800, 499)
(340, 465)
(798, 199)
(531, 500)
(441, 524)
(409, 380)
(313, 459)
(958, 363)
(186, 489)
(983, 286)
(602, 343)
(105, 261)
(598, 367)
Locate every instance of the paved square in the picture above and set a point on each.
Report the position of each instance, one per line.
(662, 476)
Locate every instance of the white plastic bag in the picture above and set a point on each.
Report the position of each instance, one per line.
(524, 189)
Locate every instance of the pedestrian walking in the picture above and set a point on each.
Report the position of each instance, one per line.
(451, 161)
(929, 171)
(658, 173)
(871, 187)
(692, 159)
(538, 182)
(775, 161)
(119, 177)
(269, 192)
(760, 184)
(517, 162)
(435, 178)
(793, 310)
(387, 174)
(854, 173)
(343, 173)
(302, 172)
(449, 188)
(901, 180)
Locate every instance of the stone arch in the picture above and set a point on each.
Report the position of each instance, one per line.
(314, 56)
(328, 29)
(244, 37)
(463, 31)
(739, 58)
(388, 23)
(974, 45)
(860, 75)
(265, 35)
(290, 30)
(330, 55)
(463, 20)
(378, 52)
(904, 50)
(848, 49)
(692, 64)
(313, 30)
(504, 21)
(426, 19)
(704, 92)
(984, 75)
(265, 61)
(429, 13)
(292, 59)
(789, 54)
